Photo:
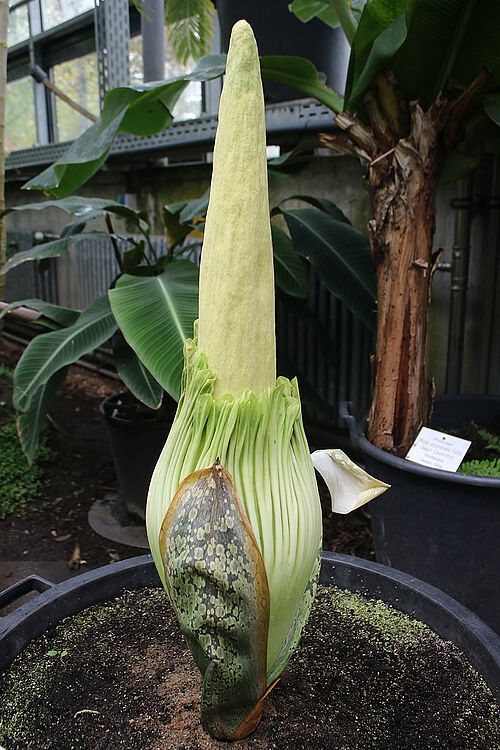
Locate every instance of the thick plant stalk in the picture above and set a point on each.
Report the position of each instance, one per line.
(403, 188)
(235, 420)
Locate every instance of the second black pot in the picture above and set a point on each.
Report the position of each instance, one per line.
(438, 525)
(136, 444)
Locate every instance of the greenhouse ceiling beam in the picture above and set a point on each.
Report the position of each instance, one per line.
(299, 116)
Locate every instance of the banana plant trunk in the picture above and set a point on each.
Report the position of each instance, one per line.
(403, 184)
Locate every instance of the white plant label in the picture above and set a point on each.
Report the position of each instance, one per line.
(438, 450)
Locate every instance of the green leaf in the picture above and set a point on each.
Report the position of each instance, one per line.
(49, 352)
(142, 111)
(480, 45)
(341, 256)
(217, 582)
(300, 74)
(376, 17)
(75, 205)
(435, 35)
(382, 50)
(31, 422)
(86, 154)
(52, 316)
(135, 376)
(290, 269)
(190, 27)
(177, 231)
(305, 10)
(156, 314)
(195, 208)
(492, 107)
(52, 249)
(324, 204)
(151, 112)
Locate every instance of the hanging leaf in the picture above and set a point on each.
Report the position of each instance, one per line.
(190, 27)
(31, 422)
(49, 352)
(51, 316)
(290, 270)
(305, 10)
(341, 256)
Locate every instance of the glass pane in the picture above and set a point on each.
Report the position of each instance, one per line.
(136, 63)
(189, 103)
(77, 79)
(57, 11)
(20, 131)
(19, 28)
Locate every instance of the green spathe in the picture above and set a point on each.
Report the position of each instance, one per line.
(260, 441)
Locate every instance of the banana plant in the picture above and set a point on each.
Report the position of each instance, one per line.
(155, 295)
(233, 513)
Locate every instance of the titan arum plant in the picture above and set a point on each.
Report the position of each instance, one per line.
(233, 513)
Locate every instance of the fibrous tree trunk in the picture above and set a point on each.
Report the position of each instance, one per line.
(403, 186)
(404, 149)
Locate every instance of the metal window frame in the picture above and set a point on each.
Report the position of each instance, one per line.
(108, 33)
(283, 121)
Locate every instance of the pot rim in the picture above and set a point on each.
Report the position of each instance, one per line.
(107, 406)
(406, 593)
(358, 440)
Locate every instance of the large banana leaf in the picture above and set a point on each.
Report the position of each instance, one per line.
(143, 112)
(156, 314)
(323, 204)
(85, 210)
(133, 373)
(341, 256)
(49, 352)
(300, 74)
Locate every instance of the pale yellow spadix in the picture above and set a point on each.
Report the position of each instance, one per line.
(236, 329)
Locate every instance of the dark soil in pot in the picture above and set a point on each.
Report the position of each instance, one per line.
(364, 677)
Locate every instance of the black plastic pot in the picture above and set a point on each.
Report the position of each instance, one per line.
(438, 525)
(136, 444)
(279, 32)
(445, 616)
